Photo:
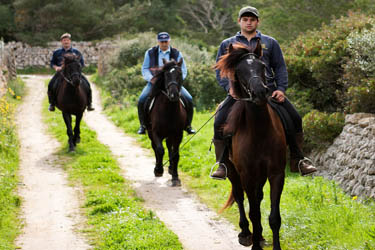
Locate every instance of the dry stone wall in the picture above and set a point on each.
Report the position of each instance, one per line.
(350, 160)
(28, 56)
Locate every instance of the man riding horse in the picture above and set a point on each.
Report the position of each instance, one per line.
(277, 82)
(56, 64)
(153, 60)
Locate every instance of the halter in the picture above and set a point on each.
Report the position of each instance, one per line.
(71, 75)
(251, 56)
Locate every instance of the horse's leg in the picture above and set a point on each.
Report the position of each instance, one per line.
(77, 130)
(254, 193)
(159, 153)
(68, 122)
(173, 145)
(276, 184)
(244, 237)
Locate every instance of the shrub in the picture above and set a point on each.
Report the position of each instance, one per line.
(315, 60)
(359, 77)
(321, 128)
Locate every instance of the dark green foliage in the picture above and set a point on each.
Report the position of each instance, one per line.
(322, 128)
(202, 84)
(315, 61)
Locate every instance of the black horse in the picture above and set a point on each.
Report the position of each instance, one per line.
(258, 145)
(71, 96)
(167, 118)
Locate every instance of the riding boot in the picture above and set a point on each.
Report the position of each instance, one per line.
(298, 163)
(141, 117)
(221, 171)
(89, 99)
(190, 112)
(52, 102)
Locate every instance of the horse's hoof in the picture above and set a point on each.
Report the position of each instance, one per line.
(245, 241)
(78, 140)
(158, 172)
(71, 149)
(176, 183)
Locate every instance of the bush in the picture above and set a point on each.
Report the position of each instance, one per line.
(315, 61)
(359, 77)
(321, 129)
(202, 84)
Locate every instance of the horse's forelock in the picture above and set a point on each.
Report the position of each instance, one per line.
(159, 75)
(229, 61)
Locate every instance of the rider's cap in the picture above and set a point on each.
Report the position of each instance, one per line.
(250, 10)
(163, 37)
(65, 35)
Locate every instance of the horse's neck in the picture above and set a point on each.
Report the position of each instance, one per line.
(257, 118)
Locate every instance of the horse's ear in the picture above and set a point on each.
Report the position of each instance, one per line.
(258, 49)
(230, 48)
(164, 61)
(179, 64)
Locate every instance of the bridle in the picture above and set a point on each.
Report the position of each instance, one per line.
(249, 91)
(169, 84)
(69, 79)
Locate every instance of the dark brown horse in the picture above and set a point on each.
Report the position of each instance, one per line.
(167, 118)
(71, 96)
(258, 145)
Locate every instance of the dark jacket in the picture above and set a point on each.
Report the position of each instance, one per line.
(276, 72)
(154, 56)
(58, 56)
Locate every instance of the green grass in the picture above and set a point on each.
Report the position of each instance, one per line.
(115, 215)
(316, 214)
(9, 160)
(90, 69)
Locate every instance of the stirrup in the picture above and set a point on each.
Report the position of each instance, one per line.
(308, 160)
(226, 171)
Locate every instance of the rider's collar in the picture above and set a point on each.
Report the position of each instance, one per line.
(165, 52)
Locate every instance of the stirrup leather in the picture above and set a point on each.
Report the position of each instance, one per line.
(226, 171)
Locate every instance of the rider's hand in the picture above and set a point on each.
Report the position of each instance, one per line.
(278, 95)
(57, 68)
(231, 93)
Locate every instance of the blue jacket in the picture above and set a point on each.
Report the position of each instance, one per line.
(58, 56)
(276, 72)
(154, 58)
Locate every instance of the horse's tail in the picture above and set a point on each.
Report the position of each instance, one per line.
(229, 202)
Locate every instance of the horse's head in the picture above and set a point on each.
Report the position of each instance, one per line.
(242, 65)
(169, 79)
(72, 69)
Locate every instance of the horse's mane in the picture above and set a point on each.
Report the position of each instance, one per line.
(229, 61)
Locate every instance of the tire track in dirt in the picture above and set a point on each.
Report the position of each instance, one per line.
(196, 226)
(50, 207)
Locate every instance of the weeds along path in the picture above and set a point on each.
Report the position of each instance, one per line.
(49, 206)
(196, 226)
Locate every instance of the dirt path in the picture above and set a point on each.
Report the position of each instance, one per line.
(50, 207)
(196, 226)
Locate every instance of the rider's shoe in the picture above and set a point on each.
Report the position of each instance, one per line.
(90, 107)
(220, 173)
(51, 107)
(190, 130)
(142, 130)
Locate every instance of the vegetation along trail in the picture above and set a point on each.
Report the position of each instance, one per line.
(196, 226)
(49, 206)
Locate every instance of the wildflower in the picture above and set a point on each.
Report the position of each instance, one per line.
(354, 198)
(18, 97)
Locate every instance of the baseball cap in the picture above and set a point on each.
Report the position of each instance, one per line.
(65, 35)
(248, 9)
(163, 37)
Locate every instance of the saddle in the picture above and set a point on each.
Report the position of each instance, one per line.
(285, 118)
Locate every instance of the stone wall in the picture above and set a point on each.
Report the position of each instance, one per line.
(3, 69)
(350, 160)
(27, 56)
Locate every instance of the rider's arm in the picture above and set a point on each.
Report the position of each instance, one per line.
(54, 59)
(183, 66)
(223, 82)
(279, 67)
(80, 58)
(146, 72)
